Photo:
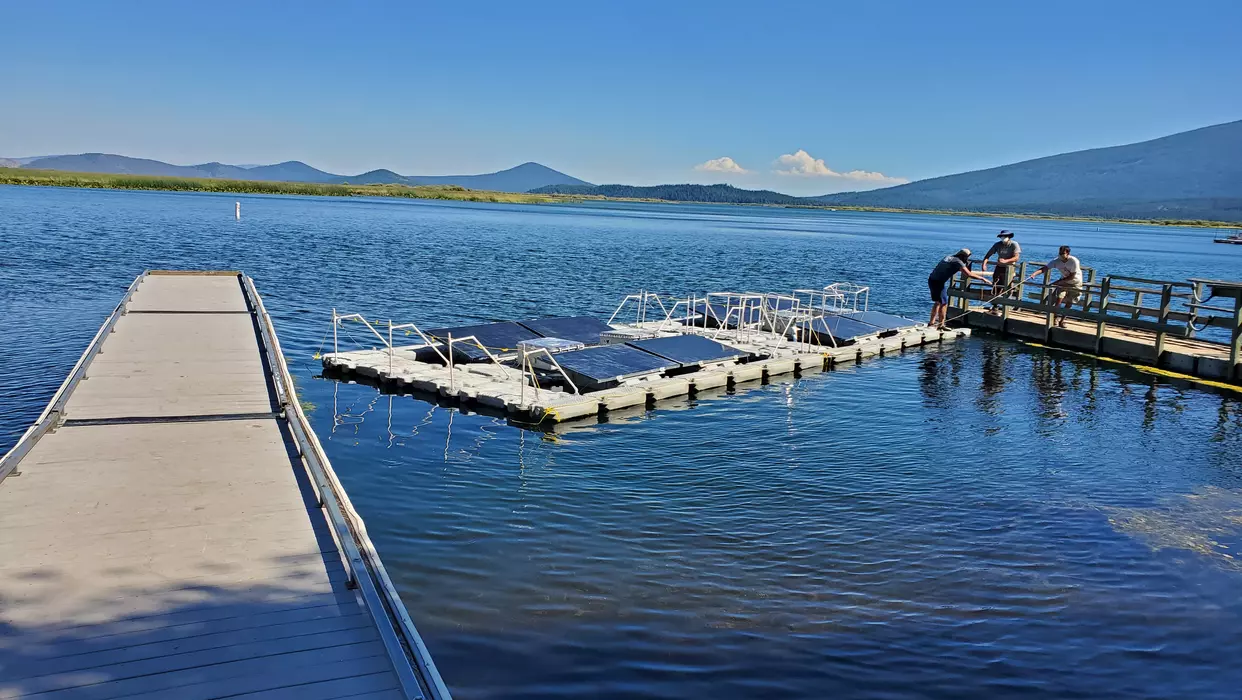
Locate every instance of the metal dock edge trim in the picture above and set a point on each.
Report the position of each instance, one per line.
(55, 407)
(396, 628)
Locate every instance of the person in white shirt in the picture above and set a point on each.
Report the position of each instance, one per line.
(1069, 286)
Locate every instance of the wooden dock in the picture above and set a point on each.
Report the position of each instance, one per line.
(1159, 323)
(172, 528)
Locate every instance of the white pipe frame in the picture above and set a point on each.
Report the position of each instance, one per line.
(525, 366)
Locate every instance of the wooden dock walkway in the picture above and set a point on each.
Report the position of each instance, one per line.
(1113, 318)
(172, 529)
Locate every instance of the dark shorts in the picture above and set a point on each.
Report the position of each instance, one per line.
(1002, 276)
(939, 290)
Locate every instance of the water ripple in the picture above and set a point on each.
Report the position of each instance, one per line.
(980, 520)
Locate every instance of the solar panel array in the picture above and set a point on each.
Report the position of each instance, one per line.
(499, 338)
(831, 327)
(605, 364)
(609, 363)
(687, 349)
(880, 320)
(584, 329)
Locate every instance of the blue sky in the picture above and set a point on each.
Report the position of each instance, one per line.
(633, 92)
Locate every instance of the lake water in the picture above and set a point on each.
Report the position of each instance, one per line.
(980, 520)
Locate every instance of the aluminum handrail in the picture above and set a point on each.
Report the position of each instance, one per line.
(55, 408)
(396, 629)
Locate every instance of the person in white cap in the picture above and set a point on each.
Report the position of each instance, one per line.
(938, 283)
(1007, 252)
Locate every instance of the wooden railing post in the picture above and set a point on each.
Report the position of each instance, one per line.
(1086, 297)
(1138, 305)
(1043, 301)
(1166, 295)
(1235, 348)
(1100, 325)
(965, 301)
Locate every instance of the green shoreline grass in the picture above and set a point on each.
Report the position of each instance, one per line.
(58, 178)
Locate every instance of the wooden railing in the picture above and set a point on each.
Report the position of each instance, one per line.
(1166, 308)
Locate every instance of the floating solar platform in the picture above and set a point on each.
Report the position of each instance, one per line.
(688, 350)
(584, 329)
(591, 368)
(825, 329)
(608, 364)
(501, 339)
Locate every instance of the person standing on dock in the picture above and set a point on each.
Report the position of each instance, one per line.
(1069, 287)
(1007, 252)
(938, 283)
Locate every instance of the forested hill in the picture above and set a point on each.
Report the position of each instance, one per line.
(1192, 175)
(714, 194)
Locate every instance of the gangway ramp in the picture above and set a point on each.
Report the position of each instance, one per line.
(172, 528)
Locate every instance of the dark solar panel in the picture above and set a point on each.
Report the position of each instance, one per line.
(687, 349)
(713, 312)
(611, 362)
(840, 328)
(584, 329)
(499, 338)
(718, 313)
(880, 319)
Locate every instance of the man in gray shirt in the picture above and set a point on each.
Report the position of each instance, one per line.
(1007, 252)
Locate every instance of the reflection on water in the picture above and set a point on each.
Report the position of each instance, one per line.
(1207, 522)
(979, 520)
(963, 521)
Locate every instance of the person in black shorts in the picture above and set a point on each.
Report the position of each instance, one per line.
(938, 283)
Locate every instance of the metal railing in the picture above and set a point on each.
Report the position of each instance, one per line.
(526, 366)
(54, 412)
(366, 571)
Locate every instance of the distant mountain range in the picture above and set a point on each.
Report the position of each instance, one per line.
(525, 177)
(1192, 175)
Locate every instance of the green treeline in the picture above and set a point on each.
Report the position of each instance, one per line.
(562, 194)
(57, 178)
(711, 194)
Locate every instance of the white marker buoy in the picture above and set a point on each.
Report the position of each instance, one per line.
(239, 211)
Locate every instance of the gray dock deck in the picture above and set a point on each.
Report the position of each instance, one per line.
(163, 534)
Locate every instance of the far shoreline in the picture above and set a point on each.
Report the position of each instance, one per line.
(57, 178)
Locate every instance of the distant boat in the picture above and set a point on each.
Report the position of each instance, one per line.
(1235, 239)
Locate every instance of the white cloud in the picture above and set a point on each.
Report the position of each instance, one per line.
(802, 164)
(721, 165)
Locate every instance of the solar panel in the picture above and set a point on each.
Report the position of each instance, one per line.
(687, 349)
(499, 338)
(840, 328)
(714, 312)
(718, 313)
(880, 319)
(610, 363)
(585, 329)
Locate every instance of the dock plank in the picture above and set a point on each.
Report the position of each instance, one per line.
(150, 555)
